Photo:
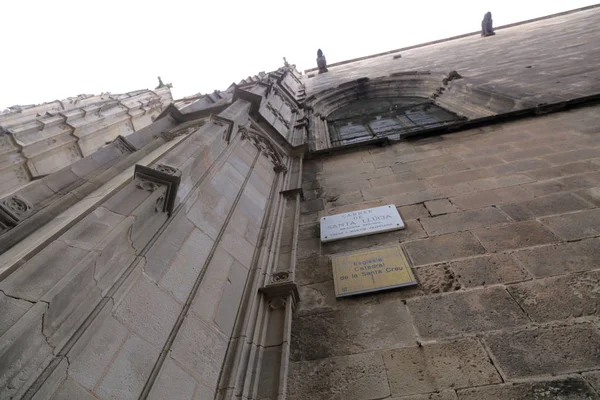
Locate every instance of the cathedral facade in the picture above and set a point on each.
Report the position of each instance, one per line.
(153, 248)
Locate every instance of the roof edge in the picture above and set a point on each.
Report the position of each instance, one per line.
(528, 21)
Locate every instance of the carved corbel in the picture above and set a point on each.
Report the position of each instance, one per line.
(161, 174)
(14, 209)
(123, 145)
(281, 285)
(220, 121)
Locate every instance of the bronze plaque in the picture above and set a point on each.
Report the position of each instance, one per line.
(371, 271)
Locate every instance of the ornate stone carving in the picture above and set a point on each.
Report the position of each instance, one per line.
(145, 184)
(16, 205)
(168, 136)
(264, 146)
(162, 85)
(167, 169)
(160, 204)
(321, 62)
(277, 303)
(123, 146)
(451, 76)
(486, 25)
(281, 276)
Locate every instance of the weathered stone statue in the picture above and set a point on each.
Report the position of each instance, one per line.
(486, 25)
(285, 62)
(321, 62)
(161, 84)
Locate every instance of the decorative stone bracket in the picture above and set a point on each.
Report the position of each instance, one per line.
(161, 175)
(14, 209)
(220, 121)
(280, 286)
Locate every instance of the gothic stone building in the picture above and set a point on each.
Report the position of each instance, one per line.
(183, 259)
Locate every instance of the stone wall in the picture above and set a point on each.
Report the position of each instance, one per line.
(503, 233)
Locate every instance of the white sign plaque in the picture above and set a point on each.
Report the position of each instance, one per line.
(360, 223)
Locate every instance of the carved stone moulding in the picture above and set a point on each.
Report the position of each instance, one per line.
(280, 286)
(220, 121)
(123, 145)
(264, 146)
(14, 209)
(149, 178)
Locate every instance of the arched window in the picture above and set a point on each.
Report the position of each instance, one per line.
(384, 117)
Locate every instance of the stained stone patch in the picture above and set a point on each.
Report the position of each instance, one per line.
(488, 270)
(545, 350)
(514, 236)
(569, 388)
(462, 221)
(464, 312)
(355, 377)
(447, 247)
(439, 366)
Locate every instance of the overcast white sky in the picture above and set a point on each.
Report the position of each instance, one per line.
(61, 48)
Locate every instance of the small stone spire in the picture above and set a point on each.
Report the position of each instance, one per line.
(321, 62)
(486, 25)
(162, 85)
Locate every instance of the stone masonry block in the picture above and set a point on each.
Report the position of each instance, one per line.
(593, 378)
(11, 310)
(92, 229)
(396, 188)
(567, 388)
(313, 270)
(438, 366)
(33, 279)
(88, 366)
(186, 265)
(207, 300)
(445, 395)
(514, 236)
(228, 307)
(443, 248)
(129, 371)
(462, 221)
(488, 270)
(356, 377)
(560, 297)
(342, 332)
(560, 259)
(465, 312)
(172, 383)
(148, 311)
(562, 170)
(573, 156)
(200, 348)
(414, 211)
(70, 390)
(545, 350)
(575, 226)
(553, 204)
(441, 206)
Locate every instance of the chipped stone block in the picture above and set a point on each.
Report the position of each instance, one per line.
(342, 332)
(129, 371)
(148, 311)
(439, 366)
(436, 279)
(462, 221)
(488, 270)
(514, 236)
(575, 226)
(443, 248)
(465, 312)
(545, 350)
(172, 383)
(560, 297)
(356, 377)
(568, 388)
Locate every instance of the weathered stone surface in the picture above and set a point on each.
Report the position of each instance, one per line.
(396, 188)
(569, 388)
(445, 395)
(226, 312)
(462, 221)
(172, 383)
(148, 311)
(413, 230)
(542, 206)
(309, 231)
(413, 211)
(92, 229)
(514, 236)
(200, 349)
(355, 377)
(572, 156)
(88, 366)
(545, 350)
(439, 366)
(343, 332)
(562, 170)
(207, 299)
(464, 312)
(441, 206)
(488, 270)
(70, 390)
(206, 218)
(593, 378)
(436, 279)
(32, 280)
(313, 270)
(312, 206)
(11, 310)
(575, 226)
(187, 264)
(446, 247)
(560, 297)
(560, 259)
(127, 374)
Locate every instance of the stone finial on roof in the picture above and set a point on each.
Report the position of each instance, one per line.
(285, 62)
(321, 62)
(162, 85)
(486, 25)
